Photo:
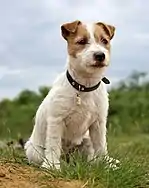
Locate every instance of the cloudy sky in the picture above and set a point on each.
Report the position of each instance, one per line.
(32, 52)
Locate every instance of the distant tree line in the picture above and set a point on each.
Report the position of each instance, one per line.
(128, 113)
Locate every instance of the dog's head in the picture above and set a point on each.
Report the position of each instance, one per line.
(88, 45)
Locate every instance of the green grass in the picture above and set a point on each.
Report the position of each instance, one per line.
(133, 153)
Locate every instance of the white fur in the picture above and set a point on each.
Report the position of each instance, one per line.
(59, 117)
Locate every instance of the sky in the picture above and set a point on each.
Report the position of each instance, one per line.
(33, 53)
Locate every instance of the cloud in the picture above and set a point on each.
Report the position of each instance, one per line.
(32, 51)
(142, 38)
(4, 70)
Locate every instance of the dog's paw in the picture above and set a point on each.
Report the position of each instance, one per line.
(112, 163)
(47, 165)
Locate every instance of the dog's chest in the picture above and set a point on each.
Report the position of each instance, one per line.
(82, 115)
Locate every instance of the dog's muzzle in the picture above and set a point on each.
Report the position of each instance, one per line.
(99, 57)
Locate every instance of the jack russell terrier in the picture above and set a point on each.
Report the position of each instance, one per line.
(76, 108)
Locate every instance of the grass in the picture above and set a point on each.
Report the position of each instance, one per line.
(133, 153)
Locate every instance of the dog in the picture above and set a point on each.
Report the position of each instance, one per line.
(76, 108)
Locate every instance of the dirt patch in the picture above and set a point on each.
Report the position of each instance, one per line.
(17, 176)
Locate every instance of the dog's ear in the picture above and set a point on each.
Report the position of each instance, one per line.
(69, 28)
(109, 29)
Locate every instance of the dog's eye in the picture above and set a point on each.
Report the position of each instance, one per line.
(104, 41)
(82, 41)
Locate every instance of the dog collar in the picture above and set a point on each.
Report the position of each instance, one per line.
(83, 88)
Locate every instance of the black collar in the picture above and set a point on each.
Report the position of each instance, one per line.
(83, 88)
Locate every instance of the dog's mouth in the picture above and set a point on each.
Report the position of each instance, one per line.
(97, 64)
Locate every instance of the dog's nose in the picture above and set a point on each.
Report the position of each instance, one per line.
(99, 56)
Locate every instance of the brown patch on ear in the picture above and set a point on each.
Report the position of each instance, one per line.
(109, 29)
(69, 28)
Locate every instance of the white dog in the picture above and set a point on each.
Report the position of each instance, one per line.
(76, 107)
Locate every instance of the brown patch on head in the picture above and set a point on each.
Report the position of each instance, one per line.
(103, 34)
(76, 35)
(69, 28)
(109, 29)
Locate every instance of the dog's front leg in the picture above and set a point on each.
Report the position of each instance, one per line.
(53, 144)
(98, 137)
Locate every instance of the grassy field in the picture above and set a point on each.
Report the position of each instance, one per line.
(132, 151)
(128, 128)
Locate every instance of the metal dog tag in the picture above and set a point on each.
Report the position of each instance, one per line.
(78, 98)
